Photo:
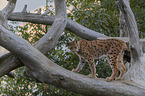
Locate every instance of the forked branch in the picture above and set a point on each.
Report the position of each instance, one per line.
(4, 14)
(136, 71)
(45, 44)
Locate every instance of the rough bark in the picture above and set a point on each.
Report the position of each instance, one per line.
(9, 62)
(4, 14)
(44, 70)
(123, 28)
(134, 40)
(45, 44)
(137, 70)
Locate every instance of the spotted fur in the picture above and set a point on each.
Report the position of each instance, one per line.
(87, 51)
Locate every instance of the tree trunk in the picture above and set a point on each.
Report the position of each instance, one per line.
(136, 72)
(123, 27)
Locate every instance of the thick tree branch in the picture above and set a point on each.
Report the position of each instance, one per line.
(137, 70)
(53, 35)
(45, 44)
(50, 39)
(134, 40)
(9, 62)
(123, 28)
(9, 8)
(72, 26)
(4, 14)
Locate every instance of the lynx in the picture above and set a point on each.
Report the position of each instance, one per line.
(87, 51)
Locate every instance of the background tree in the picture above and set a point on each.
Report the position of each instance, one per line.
(58, 55)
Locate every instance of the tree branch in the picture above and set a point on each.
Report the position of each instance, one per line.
(49, 41)
(4, 14)
(24, 9)
(9, 8)
(123, 28)
(45, 44)
(72, 26)
(137, 70)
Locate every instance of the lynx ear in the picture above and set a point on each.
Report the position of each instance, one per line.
(78, 45)
(76, 41)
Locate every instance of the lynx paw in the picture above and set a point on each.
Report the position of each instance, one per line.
(109, 79)
(92, 76)
(117, 78)
(74, 70)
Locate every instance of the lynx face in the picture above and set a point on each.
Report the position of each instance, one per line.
(73, 46)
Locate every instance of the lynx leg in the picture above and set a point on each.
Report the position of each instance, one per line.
(80, 65)
(121, 67)
(113, 61)
(92, 67)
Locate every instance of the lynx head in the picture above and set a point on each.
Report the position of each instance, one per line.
(73, 46)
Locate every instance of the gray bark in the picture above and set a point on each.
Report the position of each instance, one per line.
(132, 29)
(136, 72)
(123, 27)
(44, 70)
(72, 26)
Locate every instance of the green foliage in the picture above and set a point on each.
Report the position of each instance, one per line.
(99, 16)
(17, 86)
(31, 32)
(96, 16)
